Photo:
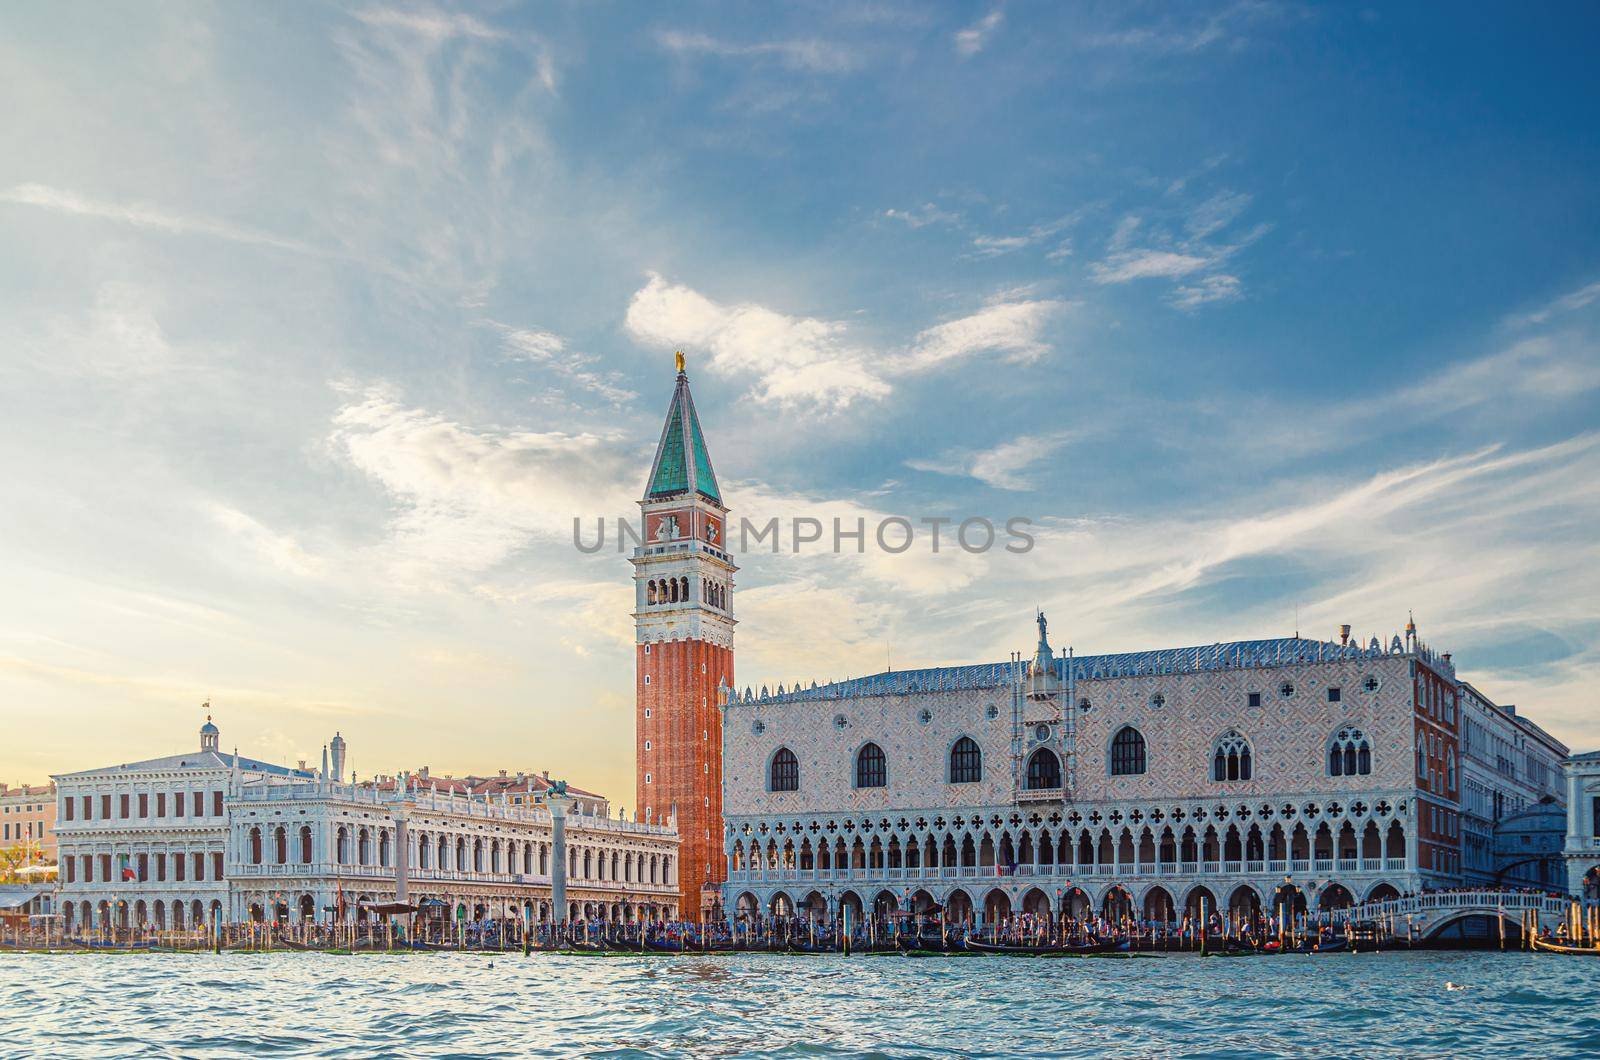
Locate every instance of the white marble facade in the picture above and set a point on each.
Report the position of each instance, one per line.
(325, 851)
(1582, 848)
(1147, 839)
(206, 837)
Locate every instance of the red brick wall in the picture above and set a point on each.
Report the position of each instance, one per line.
(1437, 719)
(683, 766)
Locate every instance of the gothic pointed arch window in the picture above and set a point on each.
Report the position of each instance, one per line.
(872, 769)
(784, 773)
(966, 762)
(1349, 753)
(1231, 760)
(1044, 770)
(1127, 752)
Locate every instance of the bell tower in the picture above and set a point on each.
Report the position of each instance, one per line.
(683, 623)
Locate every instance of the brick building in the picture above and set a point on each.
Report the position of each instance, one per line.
(683, 621)
(28, 822)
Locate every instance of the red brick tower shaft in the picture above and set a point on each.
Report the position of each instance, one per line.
(683, 621)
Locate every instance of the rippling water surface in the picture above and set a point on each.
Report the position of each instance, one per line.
(471, 1005)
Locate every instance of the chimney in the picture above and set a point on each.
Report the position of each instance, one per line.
(1344, 634)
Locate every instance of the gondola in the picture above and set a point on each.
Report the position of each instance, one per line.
(1546, 946)
(804, 946)
(1045, 950)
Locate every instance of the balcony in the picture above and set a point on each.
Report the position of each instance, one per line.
(1067, 870)
(1041, 795)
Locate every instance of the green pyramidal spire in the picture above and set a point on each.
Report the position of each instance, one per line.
(682, 464)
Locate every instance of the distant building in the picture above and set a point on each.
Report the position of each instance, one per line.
(1246, 774)
(519, 789)
(147, 842)
(1509, 765)
(206, 836)
(27, 823)
(1582, 849)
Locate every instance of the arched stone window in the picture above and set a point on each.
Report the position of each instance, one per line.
(1349, 753)
(305, 844)
(785, 771)
(1422, 756)
(1044, 770)
(280, 845)
(1232, 758)
(872, 770)
(650, 592)
(363, 847)
(966, 762)
(1450, 768)
(343, 844)
(255, 846)
(1127, 752)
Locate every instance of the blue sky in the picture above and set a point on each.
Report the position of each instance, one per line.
(319, 325)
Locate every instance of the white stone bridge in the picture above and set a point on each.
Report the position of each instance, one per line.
(1447, 913)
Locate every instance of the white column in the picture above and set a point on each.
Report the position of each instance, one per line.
(1575, 808)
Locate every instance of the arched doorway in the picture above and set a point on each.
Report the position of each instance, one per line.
(1075, 903)
(922, 903)
(1335, 896)
(1383, 892)
(850, 904)
(885, 904)
(1118, 904)
(1158, 906)
(782, 905)
(745, 906)
(815, 906)
(1244, 904)
(958, 907)
(1192, 903)
(1036, 903)
(997, 906)
(1288, 902)
(308, 907)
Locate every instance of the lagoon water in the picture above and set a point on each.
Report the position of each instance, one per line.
(470, 1005)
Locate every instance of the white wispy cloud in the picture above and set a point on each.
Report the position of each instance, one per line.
(1187, 247)
(811, 361)
(265, 545)
(142, 215)
(545, 348)
(922, 216)
(1002, 466)
(1570, 302)
(973, 39)
(466, 498)
(807, 55)
(1185, 30)
(1013, 328)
